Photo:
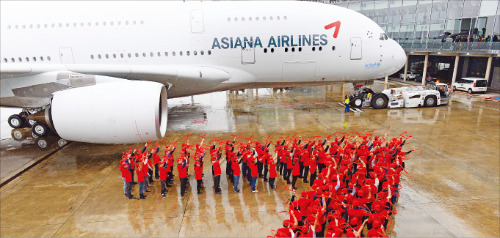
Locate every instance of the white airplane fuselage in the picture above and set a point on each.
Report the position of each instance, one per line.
(157, 33)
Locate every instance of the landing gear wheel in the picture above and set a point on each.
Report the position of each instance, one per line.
(454, 88)
(40, 129)
(16, 121)
(33, 135)
(31, 123)
(469, 91)
(379, 101)
(430, 101)
(42, 143)
(17, 134)
(357, 102)
(61, 142)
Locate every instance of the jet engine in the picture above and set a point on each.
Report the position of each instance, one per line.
(111, 113)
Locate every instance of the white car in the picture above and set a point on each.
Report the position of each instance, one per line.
(409, 75)
(471, 85)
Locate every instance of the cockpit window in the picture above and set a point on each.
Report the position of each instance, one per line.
(383, 36)
(386, 37)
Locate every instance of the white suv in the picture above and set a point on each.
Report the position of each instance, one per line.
(471, 85)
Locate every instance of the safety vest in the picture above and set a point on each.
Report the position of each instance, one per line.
(347, 101)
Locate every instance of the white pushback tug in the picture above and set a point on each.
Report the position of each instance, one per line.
(403, 97)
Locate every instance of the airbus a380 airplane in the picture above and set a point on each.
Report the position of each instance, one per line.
(101, 72)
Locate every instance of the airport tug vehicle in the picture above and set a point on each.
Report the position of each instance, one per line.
(404, 97)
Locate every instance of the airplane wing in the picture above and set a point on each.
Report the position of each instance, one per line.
(31, 81)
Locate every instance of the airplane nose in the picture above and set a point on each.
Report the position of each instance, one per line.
(399, 55)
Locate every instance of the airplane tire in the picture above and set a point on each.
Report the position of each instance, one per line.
(430, 101)
(454, 88)
(62, 142)
(469, 91)
(16, 121)
(42, 143)
(17, 134)
(379, 101)
(357, 102)
(40, 129)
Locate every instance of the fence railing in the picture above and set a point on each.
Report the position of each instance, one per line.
(459, 47)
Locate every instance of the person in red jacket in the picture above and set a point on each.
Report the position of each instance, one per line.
(140, 178)
(182, 170)
(272, 172)
(128, 179)
(198, 175)
(217, 172)
(295, 173)
(156, 161)
(254, 173)
(235, 165)
(163, 170)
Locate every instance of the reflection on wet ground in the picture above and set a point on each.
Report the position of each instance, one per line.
(452, 189)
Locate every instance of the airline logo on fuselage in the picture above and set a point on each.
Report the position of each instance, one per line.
(273, 42)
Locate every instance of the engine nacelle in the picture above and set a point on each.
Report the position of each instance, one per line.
(111, 113)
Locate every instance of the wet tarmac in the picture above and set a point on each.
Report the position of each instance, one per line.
(452, 188)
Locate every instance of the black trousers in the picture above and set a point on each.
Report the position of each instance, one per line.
(313, 177)
(198, 185)
(150, 171)
(301, 164)
(294, 180)
(183, 185)
(288, 174)
(157, 171)
(217, 183)
(306, 172)
(266, 170)
(271, 183)
(132, 172)
(280, 167)
(163, 185)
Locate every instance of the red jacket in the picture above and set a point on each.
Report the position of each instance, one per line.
(198, 172)
(236, 168)
(216, 168)
(182, 171)
(127, 174)
(163, 172)
(253, 169)
(156, 158)
(272, 170)
(296, 169)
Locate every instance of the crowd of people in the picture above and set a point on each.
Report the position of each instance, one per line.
(354, 179)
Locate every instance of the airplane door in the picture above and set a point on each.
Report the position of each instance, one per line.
(197, 25)
(248, 55)
(356, 48)
(66, 55)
